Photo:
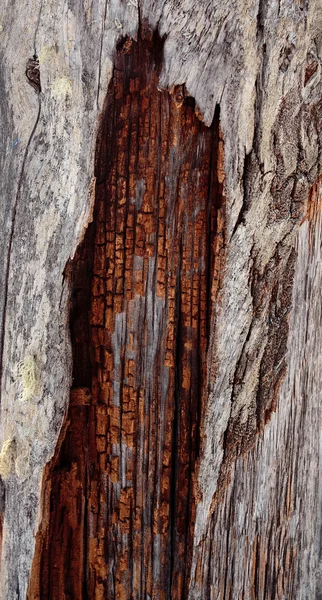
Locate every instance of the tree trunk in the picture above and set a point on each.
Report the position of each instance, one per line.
(160, 300)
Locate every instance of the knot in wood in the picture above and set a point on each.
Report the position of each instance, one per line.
(33, 73)
(179, 94)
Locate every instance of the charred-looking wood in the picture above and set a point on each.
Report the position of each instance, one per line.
(123, 486)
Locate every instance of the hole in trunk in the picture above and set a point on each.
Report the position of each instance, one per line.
(122, 489)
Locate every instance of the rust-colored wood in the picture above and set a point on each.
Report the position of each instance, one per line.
(123, 486)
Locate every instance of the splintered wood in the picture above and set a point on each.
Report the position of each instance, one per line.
(144, 281)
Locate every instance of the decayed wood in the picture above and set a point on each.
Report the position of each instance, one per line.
(141, 306)
(262, 64)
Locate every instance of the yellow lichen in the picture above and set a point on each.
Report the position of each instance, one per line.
(7, 456)
(61, 86)
(28, 375)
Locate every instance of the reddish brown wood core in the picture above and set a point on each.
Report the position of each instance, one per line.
(123, 487)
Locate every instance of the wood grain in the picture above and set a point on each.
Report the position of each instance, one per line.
(123, 489)
(261, 62)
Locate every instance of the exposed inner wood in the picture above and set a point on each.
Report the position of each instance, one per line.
(122, 487)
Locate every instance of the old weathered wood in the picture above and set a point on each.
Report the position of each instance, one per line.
(143, 283)
(256, 532)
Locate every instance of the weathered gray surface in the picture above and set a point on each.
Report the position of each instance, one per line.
(263, 539)
(248, 56)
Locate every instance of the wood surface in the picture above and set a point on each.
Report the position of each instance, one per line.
(255, 65)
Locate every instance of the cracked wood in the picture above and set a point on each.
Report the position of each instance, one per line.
(123, 488)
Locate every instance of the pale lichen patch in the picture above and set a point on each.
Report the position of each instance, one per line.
(22, 464)
(7, 456)
(29, 378)
(61, 86)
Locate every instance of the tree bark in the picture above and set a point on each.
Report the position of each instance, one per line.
(160, 316)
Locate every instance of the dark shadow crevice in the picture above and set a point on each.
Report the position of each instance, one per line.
(121, 491)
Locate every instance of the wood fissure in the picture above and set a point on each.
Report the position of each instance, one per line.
(251, 548)
(144, 281)
(11, 237)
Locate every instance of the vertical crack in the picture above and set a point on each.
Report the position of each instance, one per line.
(11, 238)
(143, 290)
